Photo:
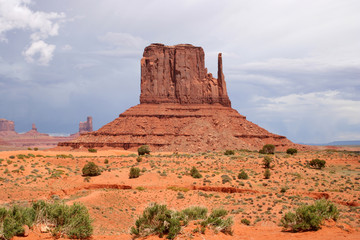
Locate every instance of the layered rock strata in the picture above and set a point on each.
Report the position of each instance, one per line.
(175, 127)
(182, 108)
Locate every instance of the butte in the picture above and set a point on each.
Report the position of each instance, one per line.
(182, 108)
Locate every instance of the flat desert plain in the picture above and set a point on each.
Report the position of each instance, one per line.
(115, 201)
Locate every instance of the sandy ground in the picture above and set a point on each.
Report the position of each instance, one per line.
(115, 201)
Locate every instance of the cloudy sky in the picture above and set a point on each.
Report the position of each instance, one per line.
(291, 66)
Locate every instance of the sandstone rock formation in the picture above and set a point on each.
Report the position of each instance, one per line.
(182, 108)
(86, 126)
(177, 74)
(7, 125)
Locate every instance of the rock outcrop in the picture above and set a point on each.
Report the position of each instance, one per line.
(182, 108)
(86, 126)
(177, 74)
(7, 125)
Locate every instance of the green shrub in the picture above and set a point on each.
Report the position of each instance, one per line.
(309, 217)
(74, 221)
(268, 149)
(245, 221)
(93, 150)
(195, 173)
(144, 149)
(35, 148)
(267, 174)
(267, 161)
(291, 151)
(91, 169)
(106, 161)
(12, 157)
(225, 178)
(317, 163)
(139, 159)
(243, 175)
(134, 172)
(29, 148)
(195, 212)
(218, 222)
(158, 219)
(229, 152)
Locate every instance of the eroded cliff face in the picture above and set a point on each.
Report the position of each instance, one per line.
(177, 74)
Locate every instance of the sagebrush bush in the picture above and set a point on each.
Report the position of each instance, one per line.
(317, 163)
(225, 178)
(92, 150)
(139, 159)
(134, 172)
(267, 161)
(218, 221)
(158, 219)
(243, 175)
(195, 173)
(229, 152)
(309, 217)
(267, 174)
(144, 149)
(73, 221)
(91, 169)
(245, 221)
(268, 149)
(291, 151)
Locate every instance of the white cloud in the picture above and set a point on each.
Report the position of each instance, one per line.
(16, 14)
(39, 52)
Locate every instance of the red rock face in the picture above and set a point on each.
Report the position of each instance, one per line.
(182, 108)
(177, 74)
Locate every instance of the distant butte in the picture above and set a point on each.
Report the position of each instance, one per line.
(182, 108)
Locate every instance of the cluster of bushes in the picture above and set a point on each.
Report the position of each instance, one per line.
(310, 217)
(73, 221)
(158, 219)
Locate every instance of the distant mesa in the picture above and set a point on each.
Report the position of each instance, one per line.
(182, 108)
(33, 138)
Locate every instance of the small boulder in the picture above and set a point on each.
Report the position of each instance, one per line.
(26, 230)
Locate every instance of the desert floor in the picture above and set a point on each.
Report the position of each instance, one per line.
(115, 201)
